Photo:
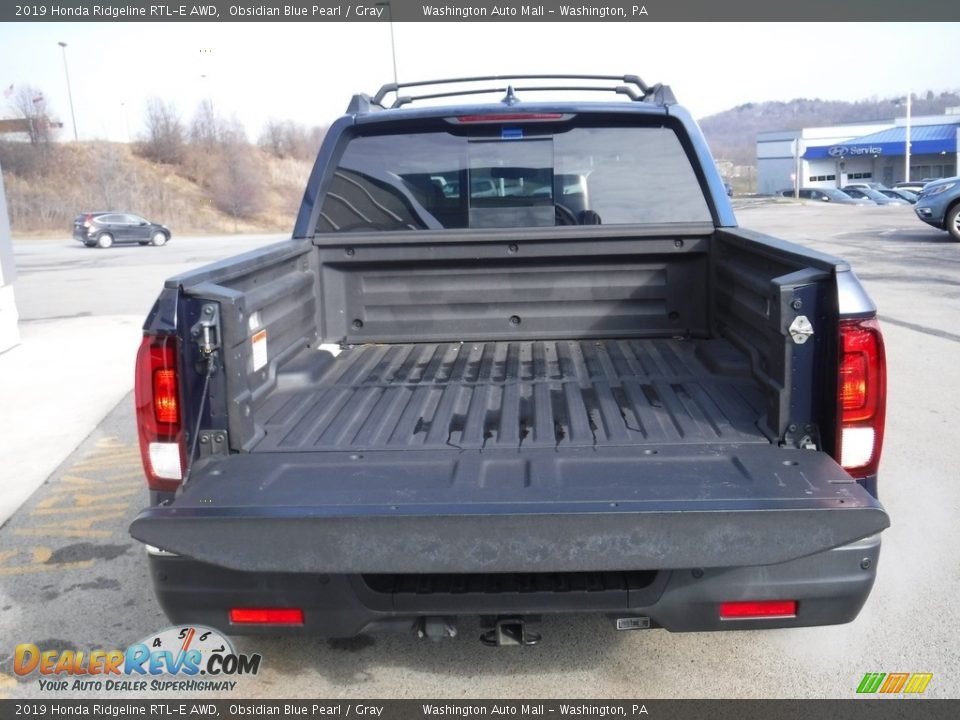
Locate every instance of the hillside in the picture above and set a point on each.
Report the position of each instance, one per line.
(47, 186)
(732, 134)
(222, 185)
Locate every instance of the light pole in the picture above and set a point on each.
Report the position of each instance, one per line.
(906, 151)
(63, 47)
(906, 166)
(393, 47)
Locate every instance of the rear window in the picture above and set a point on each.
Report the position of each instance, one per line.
(582, 176)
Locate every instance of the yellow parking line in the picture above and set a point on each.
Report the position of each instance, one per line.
(74, 528)
(31, 569)
(79, 506)
(6, 683)
(81, 499)
(39, 562)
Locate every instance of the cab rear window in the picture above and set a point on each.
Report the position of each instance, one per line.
(582, 176)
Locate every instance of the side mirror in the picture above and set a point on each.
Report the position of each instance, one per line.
(143, 222)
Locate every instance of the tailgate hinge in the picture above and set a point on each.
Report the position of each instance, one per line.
(214, 442)
(802, 437)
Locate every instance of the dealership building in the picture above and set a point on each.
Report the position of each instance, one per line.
(864, 152)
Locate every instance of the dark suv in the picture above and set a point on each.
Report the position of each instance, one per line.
(103, 229)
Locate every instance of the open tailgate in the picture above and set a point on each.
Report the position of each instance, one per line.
(586, 509)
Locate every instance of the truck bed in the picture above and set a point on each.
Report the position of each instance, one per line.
(509, 395)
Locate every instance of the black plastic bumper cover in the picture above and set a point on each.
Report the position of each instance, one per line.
(829, 588)
(705, 507)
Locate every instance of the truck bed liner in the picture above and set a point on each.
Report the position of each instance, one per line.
(545, 394)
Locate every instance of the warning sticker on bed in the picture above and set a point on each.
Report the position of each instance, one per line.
(259, 343)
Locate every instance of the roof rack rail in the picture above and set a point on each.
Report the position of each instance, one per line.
(632, 86)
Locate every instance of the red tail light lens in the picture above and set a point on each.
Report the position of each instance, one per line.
(266, 616)
(758, 609)
(159, 426)
(165, 396)
(862, 396)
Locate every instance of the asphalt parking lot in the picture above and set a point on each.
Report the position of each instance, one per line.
(72, 578)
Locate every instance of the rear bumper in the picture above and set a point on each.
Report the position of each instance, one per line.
(830, 587)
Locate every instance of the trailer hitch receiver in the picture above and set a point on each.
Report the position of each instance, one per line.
(511, 631)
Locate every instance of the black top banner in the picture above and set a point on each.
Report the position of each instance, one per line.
(483, 11)
(472, 709)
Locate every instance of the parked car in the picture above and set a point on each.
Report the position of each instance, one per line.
(103, 229)
(912, 185)
(728, 188)
(900, 194)
(827, 195)
(869, 193)
(939, 205)
(871, 185)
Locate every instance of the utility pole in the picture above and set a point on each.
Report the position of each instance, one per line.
(393, 47)
(796, 169)
(66, 71)
(906, 168)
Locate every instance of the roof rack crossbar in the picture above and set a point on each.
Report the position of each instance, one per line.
(628, 80)
(620, 89)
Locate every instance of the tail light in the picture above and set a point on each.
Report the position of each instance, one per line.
(159, 422)
(862, 389)
(87, 220)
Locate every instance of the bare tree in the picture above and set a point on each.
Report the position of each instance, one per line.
(287, 139)
(237, 187)
(272, 138)
(30, 104)
(165, 138)
(205, 128)
(113, 182)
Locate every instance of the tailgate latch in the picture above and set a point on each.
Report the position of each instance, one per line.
(800, 329)
(206, 330)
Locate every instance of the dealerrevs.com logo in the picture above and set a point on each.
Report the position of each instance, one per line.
(199, 658)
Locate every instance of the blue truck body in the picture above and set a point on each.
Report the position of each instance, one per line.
(392, 430)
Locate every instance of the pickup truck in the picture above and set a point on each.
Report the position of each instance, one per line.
(580, 388)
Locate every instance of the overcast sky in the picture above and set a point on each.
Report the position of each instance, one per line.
(308, 71)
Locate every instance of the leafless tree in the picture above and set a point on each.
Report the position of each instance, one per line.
(114, 184)
(165, 134)
(287, 139)
(237, 186)
(205, 128)
(30, 104)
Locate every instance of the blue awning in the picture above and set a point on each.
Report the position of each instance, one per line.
(924, 140)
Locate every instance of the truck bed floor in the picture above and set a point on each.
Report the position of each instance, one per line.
(547, 394)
